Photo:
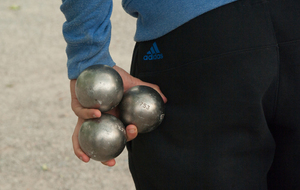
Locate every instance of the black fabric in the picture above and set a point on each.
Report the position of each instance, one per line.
(232, 120)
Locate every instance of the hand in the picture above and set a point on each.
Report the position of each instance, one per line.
(84, 113)
(131, 132)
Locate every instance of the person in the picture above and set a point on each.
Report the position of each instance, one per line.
(230, 70)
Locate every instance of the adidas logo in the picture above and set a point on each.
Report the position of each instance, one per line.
(153, 54)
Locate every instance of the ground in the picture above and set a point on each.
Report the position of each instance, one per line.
(36, 121)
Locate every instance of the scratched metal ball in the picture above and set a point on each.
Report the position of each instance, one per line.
(99, 86)
(102, 139)
(143, 107)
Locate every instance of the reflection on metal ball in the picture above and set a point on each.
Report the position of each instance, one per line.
(99, 86)
(143, 107)
(102, 139)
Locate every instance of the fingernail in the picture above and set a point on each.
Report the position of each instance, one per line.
(94, 116)
(132, 130)
(80, 158)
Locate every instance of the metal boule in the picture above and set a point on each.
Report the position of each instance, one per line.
(99, 86)
(143, 107)
(102, 139)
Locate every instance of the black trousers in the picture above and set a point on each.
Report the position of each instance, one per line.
(232, 79)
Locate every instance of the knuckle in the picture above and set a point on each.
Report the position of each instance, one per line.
(156, 87)
(76, 112)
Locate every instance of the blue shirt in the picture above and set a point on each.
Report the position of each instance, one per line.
(87, 28)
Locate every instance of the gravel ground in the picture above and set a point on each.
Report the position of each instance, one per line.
(36, 121)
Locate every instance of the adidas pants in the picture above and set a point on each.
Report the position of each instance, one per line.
(232, 79)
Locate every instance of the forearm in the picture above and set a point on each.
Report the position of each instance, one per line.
(87, 31)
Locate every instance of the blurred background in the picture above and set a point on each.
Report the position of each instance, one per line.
(36, 120)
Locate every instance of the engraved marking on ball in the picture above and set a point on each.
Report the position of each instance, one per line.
(144, 105)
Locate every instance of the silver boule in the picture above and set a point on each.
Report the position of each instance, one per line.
(102, 139)
(143, 107)
(99, 86)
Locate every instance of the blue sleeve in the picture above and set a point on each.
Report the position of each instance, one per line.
(87, 31)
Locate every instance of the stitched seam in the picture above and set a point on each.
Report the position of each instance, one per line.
(289, 42)
(259, 2)
(275, 108)
(269, 17)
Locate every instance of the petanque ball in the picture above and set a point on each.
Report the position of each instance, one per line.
(102, 139)
(143, 107)
(99, 86)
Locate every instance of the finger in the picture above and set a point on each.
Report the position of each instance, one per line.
(114, 112)
(131, 132)
(80, 154)
(130, 81)
(77, 107)
(76, 147)
(155, 87)
(110, 163)
(86, 113)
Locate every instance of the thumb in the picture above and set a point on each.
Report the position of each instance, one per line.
(131, 132)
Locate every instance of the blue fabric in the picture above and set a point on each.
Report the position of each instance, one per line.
(156, 18)
(87, 28)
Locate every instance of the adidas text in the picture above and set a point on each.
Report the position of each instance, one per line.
(153, 54)
(153, 57)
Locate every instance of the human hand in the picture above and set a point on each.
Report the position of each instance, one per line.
(85, 113)
(131, 132)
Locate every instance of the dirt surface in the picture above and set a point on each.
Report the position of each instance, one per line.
(36, 121)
